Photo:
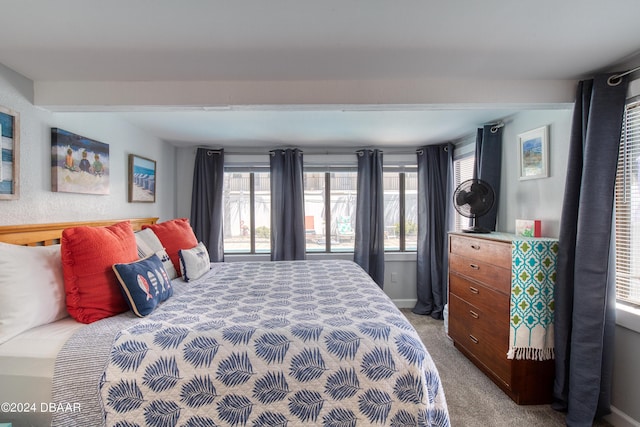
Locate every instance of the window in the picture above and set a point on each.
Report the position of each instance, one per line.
(314, 208)
(627, 205)
(391, 211)
(247, 212)
(400, 210)
(411, 211)
(463, 170)
(330, 210)
(330, 200)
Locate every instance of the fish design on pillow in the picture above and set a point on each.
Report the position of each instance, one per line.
(144, 285)
(163, 279)
(154, 282)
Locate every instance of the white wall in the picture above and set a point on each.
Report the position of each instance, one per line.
(626, 378)
(37, 203)
(536, 198)
(185, 161)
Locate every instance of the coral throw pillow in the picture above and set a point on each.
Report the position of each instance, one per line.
(174, 235)
(88, 254)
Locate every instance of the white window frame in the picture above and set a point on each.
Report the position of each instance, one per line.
(329, 248)
(401, 170)
(629, 316)
(251, 221)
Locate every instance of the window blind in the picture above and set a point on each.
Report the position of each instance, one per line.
(463, 170)
(627, 205)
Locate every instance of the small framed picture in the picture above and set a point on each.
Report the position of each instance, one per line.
(534, 153)
(142, 179)
(9, 154)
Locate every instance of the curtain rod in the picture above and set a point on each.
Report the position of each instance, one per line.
(612, 80)
(210, 150)
(496, 126)
(420, 151)
(363, 150)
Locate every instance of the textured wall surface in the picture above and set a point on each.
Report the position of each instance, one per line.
(37, 203)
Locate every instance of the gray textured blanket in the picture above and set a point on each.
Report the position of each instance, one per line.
(78, 369)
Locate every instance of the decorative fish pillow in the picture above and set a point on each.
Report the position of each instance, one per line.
(145, 283)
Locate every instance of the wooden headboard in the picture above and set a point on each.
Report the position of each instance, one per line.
(49, 234)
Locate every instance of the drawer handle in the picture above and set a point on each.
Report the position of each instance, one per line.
(474, 314)
(476, 247)
(474, 339)
(474, 266)
(474, 290)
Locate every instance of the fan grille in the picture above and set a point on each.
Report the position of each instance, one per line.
(473, 198)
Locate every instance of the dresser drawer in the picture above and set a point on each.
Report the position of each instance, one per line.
(485, 339)
(494, 304)
(495, 277)
(484, 250)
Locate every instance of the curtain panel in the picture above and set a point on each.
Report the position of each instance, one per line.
(369, 243)
(434, 221)
(489, 168)
(585, 289)
(287, 205)
(206, 201)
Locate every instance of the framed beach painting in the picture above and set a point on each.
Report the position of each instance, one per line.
(10, 161)
(534, 153)
(78, 164)
(142, 179)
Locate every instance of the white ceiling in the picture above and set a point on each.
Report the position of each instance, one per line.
(146, 41)
(335, 129)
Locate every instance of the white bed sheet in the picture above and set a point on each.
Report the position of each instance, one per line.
(33, 353)
(27, 362)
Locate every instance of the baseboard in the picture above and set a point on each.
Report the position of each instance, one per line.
(620, 419)
(404, 303)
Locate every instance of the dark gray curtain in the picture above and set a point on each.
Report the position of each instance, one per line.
(489, 167)
(434, 201)
(206, 201)
(369, 243)
(584, 299)
(287, 205)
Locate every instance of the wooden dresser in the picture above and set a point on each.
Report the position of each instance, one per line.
(479, 304)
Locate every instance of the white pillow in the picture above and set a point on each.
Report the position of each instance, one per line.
(31, 288)
(194, 262)
(149, 244)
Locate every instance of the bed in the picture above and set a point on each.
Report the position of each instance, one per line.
(251, 343)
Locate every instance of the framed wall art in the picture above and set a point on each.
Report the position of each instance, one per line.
(10, 161)
(142, 179)
(78, 164)
(534, 153)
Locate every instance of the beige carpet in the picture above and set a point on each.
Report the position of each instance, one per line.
(473, 399)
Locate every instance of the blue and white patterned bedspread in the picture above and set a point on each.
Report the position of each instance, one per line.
(273, 344)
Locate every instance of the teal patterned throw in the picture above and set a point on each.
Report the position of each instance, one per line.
(533, 277)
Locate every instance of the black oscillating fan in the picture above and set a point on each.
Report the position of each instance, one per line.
(472, 199)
